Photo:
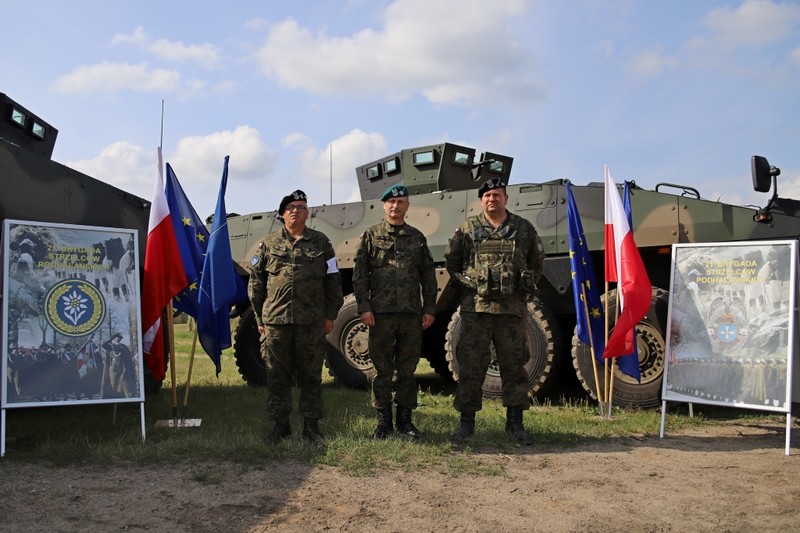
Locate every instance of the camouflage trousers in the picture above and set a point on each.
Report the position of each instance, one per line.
(394, 345)
(473, 354)
(286, 350)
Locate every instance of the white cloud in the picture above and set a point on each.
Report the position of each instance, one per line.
(111, 77)
(755, 22)
(200, 158)
(794, 56)
(651, 63)
(317, 166)
(431, 47)
(197, 163)
(206, 54)
(124, 165)
(789, 185)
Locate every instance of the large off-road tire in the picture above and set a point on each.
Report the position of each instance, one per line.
(651, 334)
(347, 349)
(247, 351)
(433, 340)
(541, 339)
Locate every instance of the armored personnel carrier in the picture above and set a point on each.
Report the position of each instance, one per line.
(33, 187)
(443, 180)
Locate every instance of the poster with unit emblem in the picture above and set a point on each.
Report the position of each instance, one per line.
(731, 324)
(71, 332)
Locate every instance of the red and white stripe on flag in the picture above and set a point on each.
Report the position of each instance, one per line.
(624, 265)
(164, 276)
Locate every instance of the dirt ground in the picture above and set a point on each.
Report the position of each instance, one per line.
(734, 477)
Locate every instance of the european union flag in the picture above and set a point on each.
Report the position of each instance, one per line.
(220, 285)
(192, 237)
(588, 309)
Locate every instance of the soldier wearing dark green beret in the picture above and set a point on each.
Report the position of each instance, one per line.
(392, 265)
(296, 291)
(497, 258)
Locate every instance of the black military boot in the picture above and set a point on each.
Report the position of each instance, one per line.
(311, 430)
(281, 430)
(384, 424)
(514, 426)
(466, 427)
(404, 424)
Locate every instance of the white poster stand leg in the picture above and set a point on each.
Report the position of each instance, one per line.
(663, 417)
(788, 432)
(141, 417)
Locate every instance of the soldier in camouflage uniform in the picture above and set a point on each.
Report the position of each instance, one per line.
(392, 261)
(296, 291)
(497, 258)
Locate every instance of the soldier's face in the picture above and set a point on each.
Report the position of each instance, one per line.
(296, 212)
(494, 201)
(396, 209)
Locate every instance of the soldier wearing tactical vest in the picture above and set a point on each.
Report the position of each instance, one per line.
(392, 262)
(497, 258)
(296, 291)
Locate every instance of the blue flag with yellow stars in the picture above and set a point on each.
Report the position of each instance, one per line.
(588, 309)
(589, 315)
(192, 237)
(220, 285)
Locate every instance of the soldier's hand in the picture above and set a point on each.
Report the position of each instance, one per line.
(368, 318)
(260, 329)
(327, 327)
(427, 320)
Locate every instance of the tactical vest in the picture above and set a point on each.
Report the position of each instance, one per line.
(495, 266)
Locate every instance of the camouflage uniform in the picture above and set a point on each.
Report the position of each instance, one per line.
(391, 264)
(294, 286)
(498, 269)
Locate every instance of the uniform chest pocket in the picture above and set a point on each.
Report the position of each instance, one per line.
(278, 258)
(315, 260)
(382, 253)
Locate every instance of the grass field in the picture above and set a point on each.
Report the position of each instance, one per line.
(233, 425)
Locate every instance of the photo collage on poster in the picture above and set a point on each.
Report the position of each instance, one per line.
(731, 324)
(71, 330)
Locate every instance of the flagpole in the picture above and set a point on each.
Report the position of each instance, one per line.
(600, 398)
(171, 339)
(605, 361)
(613, 360)
(189, 375)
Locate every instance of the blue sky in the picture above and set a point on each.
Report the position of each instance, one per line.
(661, 91)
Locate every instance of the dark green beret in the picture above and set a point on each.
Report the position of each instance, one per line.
(395, 191)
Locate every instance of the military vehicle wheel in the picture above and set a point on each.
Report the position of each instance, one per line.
(347, 349)
(247, 351)
(541, 342)
(651, 342)
(433, 340)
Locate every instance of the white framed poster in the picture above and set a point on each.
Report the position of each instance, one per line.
(731, 324)
(71, 315)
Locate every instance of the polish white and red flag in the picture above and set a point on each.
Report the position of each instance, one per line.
(164, 276)
(624, 266)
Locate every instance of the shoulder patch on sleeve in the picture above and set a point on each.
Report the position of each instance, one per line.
(254, 260)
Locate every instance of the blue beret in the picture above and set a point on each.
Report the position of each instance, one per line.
(494, 183)
(395, 191)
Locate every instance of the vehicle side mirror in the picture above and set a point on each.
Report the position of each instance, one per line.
(762, 173)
